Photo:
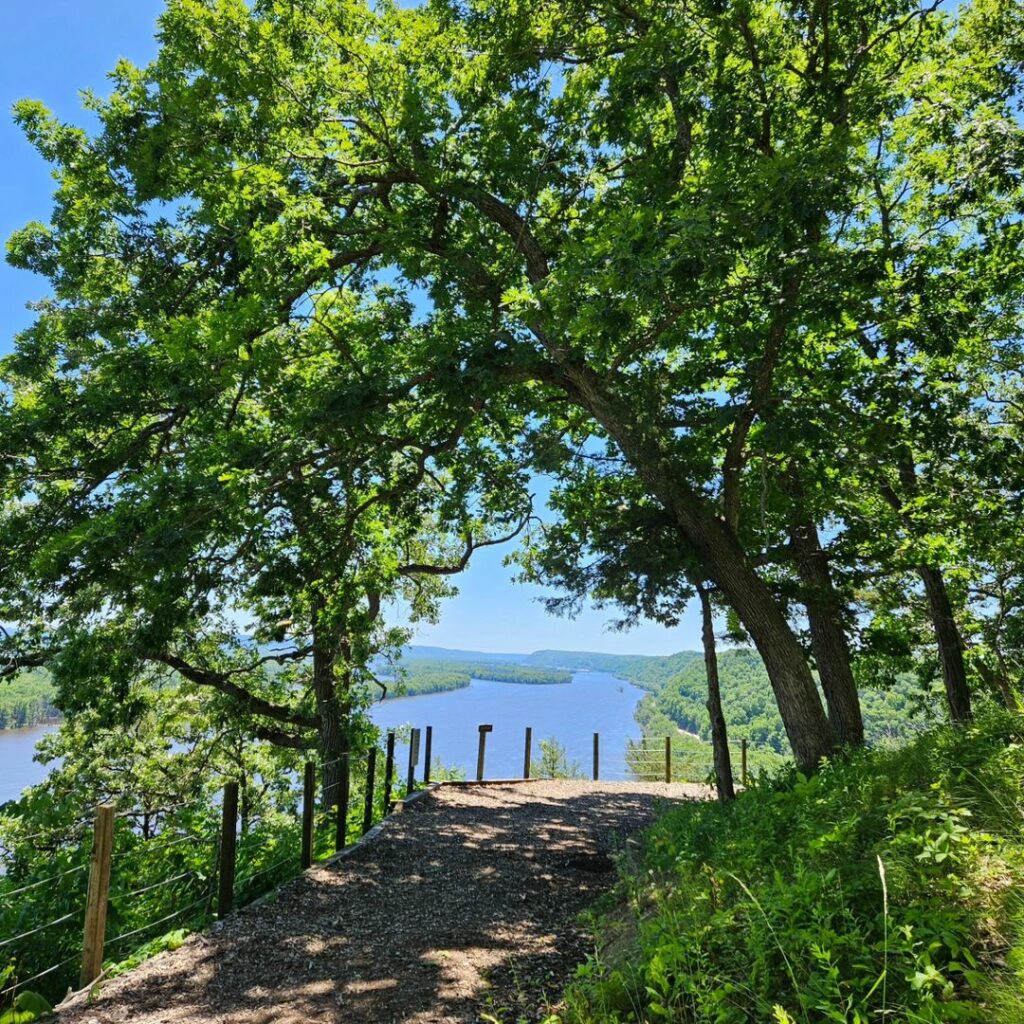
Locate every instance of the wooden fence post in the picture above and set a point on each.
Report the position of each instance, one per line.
(389, 772)
(427, 750)
(308, 794)
(743, 756)
(597, 742)
(481, 750)
(371, 779)
(228, 848)
(414, 757)
(527, 752)
(341, 819)
(668, 758)
(99, 889)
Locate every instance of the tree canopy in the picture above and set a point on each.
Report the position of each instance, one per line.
(333, 277)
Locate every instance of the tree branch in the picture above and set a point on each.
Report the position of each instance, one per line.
(220, 681)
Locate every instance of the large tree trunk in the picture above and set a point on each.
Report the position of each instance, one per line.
(828, 638)
(950, 644)
(807, 727)
(719, 736)
(725, 564)
(332, 732)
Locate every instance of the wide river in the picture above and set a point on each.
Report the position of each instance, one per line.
(570, 713)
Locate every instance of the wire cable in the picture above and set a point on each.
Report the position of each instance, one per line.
(153, 924)
(41, 928)
(150, 888)
(41, 974)
(265, 871)
(44, 881)
(151, 846)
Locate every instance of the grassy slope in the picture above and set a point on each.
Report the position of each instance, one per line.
(778, 899)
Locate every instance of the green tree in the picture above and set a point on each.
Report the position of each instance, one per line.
(246, 543)
(554, 763)
(633, 223)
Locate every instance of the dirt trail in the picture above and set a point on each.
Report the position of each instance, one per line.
(466, 904)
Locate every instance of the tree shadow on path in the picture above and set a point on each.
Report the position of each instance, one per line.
(470, 885)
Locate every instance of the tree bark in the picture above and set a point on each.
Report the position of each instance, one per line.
(719, 736)
(828, 638)
(331, 727)
(806, 724)
(245, 804)
(950, 644)
(725, 564)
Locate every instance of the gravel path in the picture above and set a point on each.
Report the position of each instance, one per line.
(467, 903)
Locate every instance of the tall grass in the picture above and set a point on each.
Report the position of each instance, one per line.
(887, 888)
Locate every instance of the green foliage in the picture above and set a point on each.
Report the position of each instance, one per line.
(164, 774)
(420, 676)
(554, 762)
(169, 941)
(691, 755)
(884, 888)
(894, 713)
(26, 699)
(440, 772)
(648, 671)
(28, 1006)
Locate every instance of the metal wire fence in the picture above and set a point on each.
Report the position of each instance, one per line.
(145, 886)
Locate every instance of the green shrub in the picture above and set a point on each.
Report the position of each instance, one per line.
(885, 888)
(554, 762)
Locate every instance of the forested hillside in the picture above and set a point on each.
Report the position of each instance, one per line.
(648, 671)
(434, 675)
(677, 690)
(898, 712)
(26, 699)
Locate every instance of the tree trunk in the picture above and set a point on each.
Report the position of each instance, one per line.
(803, 717)
(828, 638)
(998, 683)
(245, 805)
(331, 727)
(725, 564)
(719, 736)
(950, 644)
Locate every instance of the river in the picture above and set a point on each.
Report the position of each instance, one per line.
(568, 712)
(17, 769)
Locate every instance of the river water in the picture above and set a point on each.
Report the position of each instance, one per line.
(17, 769)
(569, 712)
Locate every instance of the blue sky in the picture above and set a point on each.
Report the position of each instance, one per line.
(50, 50)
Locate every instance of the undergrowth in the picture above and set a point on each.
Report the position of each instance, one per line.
(886, 888)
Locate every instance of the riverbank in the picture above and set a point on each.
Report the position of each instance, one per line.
(437, 676)
(26, 701)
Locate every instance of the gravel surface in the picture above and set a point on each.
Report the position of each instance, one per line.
(467, 903)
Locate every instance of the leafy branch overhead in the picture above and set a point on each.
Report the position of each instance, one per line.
(332, 280)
